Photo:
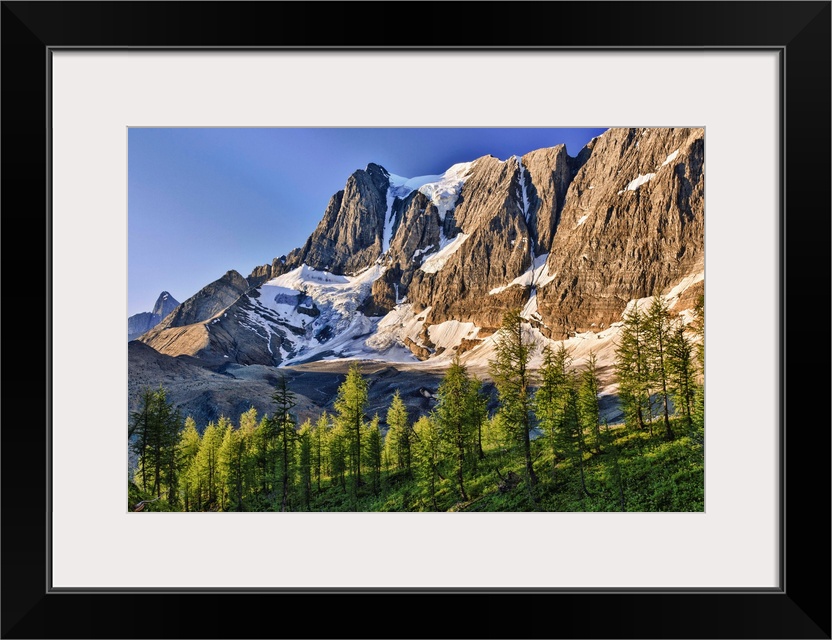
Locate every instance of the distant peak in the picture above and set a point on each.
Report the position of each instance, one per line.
(165, 296)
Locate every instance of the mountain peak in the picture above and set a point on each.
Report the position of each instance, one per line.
(143, 322)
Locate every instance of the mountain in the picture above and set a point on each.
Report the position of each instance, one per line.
(142, 322)
(417, 269)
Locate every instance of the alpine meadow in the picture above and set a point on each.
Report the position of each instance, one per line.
(514, 329)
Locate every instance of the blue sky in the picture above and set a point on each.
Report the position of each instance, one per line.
(203, 201)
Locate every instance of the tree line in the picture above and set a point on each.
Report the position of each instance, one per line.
(455, 455)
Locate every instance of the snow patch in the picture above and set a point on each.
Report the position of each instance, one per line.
(429, 249)
(450, 333)
(670, 158)
(392, 329)
(536, 275)
(524, 196)
(581, 221)
(684, 285)
(389, 219)
(530, 308)
(671, 297)
(436, 261)
(635, 184)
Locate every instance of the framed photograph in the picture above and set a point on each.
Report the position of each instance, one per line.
(87, 84)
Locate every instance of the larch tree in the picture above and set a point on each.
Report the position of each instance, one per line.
(681, 369)
(659, 326)
(453, 417)
(398, 442)
(373, 448)
(261, 451)
(232, 458)
(477, 403)
(428, 455)
(552, 397)
(337, 455)
(189, 443)
(248, 430)
(351, 407)
(588, 400)
(697, 326)
(208, 467)
(320, 446)
(512, 378)
(632, 366)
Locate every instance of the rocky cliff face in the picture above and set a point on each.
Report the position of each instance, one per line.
(350, 234)
(633, 225)
(404, 268)
(142, 322)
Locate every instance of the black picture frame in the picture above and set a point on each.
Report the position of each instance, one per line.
(799, 608)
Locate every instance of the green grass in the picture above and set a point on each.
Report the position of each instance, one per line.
(652, 474)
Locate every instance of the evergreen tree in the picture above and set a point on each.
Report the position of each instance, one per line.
(373, 451)
(139, 432)
(494, 440)
(305, 463)
(632, 367)
(248, 430)
(261, 451)
(478, 412)
(338, 454)
(320, 446)
(681, 370)
(351, 406)
(170, 475)
(512, 379)
(571, 435)
(612, 452)
(398, 441)
(697, 326)
(223, 427)
(157, 438)
(232, 455)
(428, 454)
(208, 468)
(453, 418)
(552, 397)
(189, 443)
(154, 431)
(283, 426)
(588, 412)
(659, 329)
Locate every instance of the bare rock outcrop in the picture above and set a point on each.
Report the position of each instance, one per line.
(632, 226)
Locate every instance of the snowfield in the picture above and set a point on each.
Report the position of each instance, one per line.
(442, 190)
